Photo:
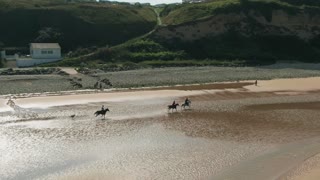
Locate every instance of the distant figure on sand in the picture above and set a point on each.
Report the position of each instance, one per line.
(11, 103)
(186, 102)
(256, 83)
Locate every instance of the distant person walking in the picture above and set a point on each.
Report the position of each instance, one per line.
(256, 83)
(11, 103)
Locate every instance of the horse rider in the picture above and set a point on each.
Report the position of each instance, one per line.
(102, 108)
(186, 102)
(174, 103)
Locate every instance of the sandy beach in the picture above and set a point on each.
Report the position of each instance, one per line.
(231, 131)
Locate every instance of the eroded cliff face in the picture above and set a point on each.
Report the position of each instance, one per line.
(303, 25)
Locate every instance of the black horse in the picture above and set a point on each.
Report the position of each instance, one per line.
(102, 113)
(174, 106)
(184, 105)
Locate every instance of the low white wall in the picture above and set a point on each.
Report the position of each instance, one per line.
(12, 57)
(32, 62)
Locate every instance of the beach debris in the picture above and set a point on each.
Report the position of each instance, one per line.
(104, 83)
(75, 82)
(28, 71)
(61, 72)
(95, 86)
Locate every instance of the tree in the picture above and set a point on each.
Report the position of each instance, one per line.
(244, 2)
(48, 34)
(1, 45)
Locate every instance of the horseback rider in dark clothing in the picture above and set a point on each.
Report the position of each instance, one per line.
(186, 102)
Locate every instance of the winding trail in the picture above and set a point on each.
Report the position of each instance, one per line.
(159, 22)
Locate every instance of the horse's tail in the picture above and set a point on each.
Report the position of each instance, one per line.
(96, 113)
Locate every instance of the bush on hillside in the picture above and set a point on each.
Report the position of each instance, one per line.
(144, 45)
(259, 49)
(104, 54)
(165, 55)
(49, 35)
(302, 2)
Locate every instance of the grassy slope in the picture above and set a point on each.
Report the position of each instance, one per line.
(81, 24)
(177, 14)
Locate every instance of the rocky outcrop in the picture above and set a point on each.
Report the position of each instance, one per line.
(303, 25)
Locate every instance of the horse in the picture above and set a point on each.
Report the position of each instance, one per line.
(174, 106)
(186, 104)
(102, 113)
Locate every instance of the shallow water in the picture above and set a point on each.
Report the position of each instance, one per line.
(141, 139)
(131, 143)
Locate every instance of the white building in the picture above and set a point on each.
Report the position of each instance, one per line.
(41, 53)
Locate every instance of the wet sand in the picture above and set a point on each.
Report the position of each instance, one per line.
(234, 131)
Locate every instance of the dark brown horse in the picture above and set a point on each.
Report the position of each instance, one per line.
(173, 106)
(102, 113)
(187, 103)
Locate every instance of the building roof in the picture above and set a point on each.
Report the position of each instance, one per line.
(45, 46)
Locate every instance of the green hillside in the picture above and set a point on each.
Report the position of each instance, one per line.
(73, 25)
(217, 32)
(228, 32)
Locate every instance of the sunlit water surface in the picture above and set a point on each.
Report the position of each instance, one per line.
(128, 144)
